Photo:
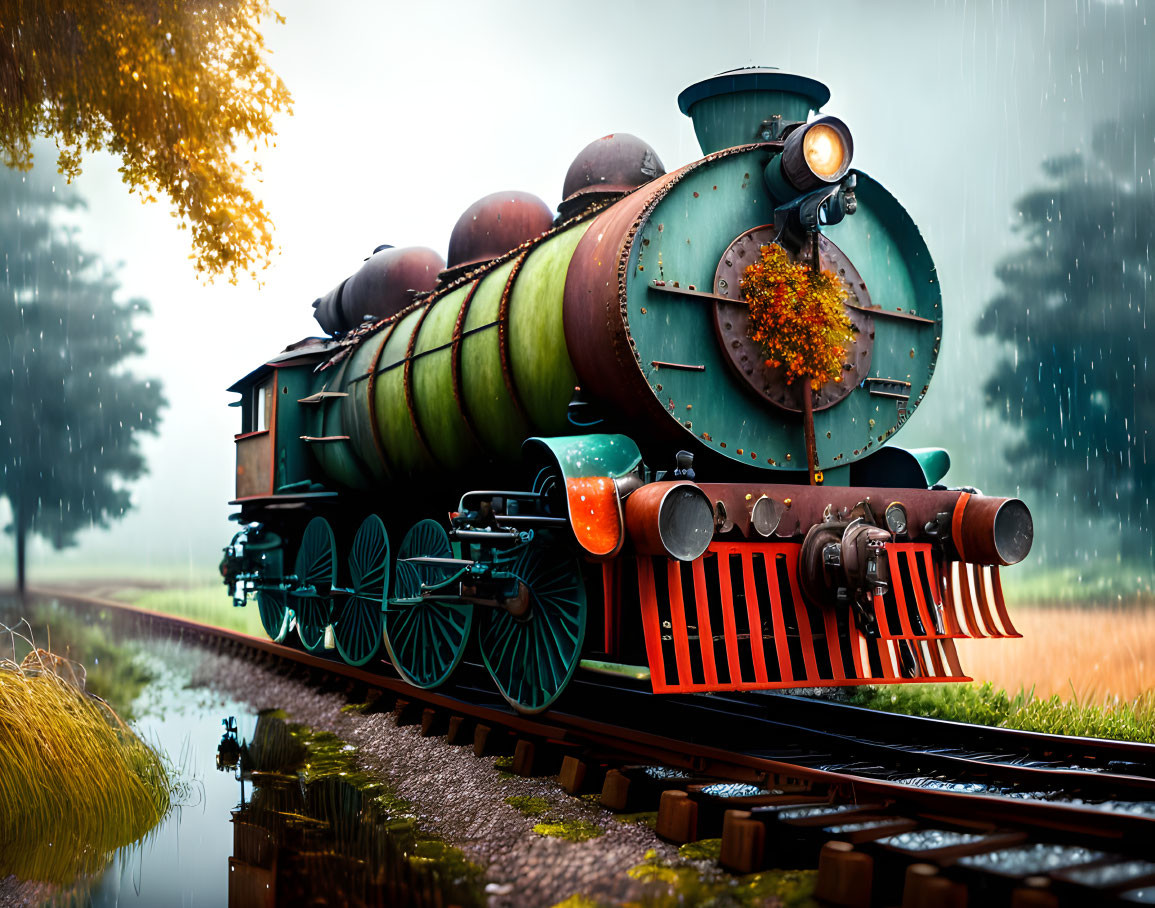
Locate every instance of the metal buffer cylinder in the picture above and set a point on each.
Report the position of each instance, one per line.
(674, 519)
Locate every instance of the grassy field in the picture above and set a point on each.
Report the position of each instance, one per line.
(1102, 582)
(1100, 653)
(209, 603)
(1079, 669)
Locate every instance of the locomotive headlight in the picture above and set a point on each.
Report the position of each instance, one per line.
(824, 150)
(816, 154)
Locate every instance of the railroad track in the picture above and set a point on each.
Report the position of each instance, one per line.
(885, 804)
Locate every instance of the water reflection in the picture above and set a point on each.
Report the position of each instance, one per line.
(315, 828)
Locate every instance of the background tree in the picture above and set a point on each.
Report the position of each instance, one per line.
(1080, 380)
(168, 86)
(70, 413)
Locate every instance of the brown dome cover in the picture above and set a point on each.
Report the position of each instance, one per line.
(379, 288)
(495, 224)
(613, 164)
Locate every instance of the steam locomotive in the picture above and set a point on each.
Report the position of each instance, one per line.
(564, 447)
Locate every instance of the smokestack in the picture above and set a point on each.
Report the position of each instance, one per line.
(728, 109)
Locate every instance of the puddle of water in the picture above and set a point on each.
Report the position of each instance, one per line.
(184, 860)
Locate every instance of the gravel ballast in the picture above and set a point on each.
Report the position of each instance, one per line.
(462, 798)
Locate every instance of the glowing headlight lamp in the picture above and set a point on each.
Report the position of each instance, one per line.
(817, 154)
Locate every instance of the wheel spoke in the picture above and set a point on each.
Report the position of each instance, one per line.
(273, 607)
(357, 627)
(426, 639)
(533, 658)
(316, 570)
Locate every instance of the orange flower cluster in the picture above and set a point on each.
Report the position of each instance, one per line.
(797, 316)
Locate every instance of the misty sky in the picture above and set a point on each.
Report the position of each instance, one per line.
(406, 113)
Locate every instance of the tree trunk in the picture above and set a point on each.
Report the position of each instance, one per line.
(808, 428)
(20, 529)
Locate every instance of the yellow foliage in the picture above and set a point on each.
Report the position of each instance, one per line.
(170, 87)
(797, 316)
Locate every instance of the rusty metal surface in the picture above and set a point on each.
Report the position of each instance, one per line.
(407, 383)
(596, 322)
(380, 288)
(455, 364)
(649, 511)
(338, 350)
(804, 507)
(595, 330)
(494, 225)
(617, 163)
(503, 337)
(732, 324)
(985, 523)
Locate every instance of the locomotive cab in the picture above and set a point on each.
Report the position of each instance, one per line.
(255, 441)
(273, 456)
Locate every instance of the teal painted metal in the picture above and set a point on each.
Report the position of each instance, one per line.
(316, 570)
(425, 638)
(729, 108)
(357, 624)
(682, 239)
(293, 464)
(336, 457)
(273, 607)
(935, 462)
(579, 456)
(532, 658)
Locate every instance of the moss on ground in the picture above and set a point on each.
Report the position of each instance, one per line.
(528, 806)
(570, 830)
(701, 850)
(984, 704)
(684, 881)
(645, 818)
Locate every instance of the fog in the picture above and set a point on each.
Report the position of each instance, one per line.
(404, 114)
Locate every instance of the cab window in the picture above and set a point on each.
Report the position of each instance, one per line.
(262, 406)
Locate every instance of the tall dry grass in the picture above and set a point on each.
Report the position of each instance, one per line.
(1096, 654)
(75, 782)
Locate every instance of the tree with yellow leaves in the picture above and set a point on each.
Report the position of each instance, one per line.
(170, 87)
(798, 317)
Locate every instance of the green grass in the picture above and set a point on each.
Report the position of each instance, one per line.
(209, 604)
(984, 704)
